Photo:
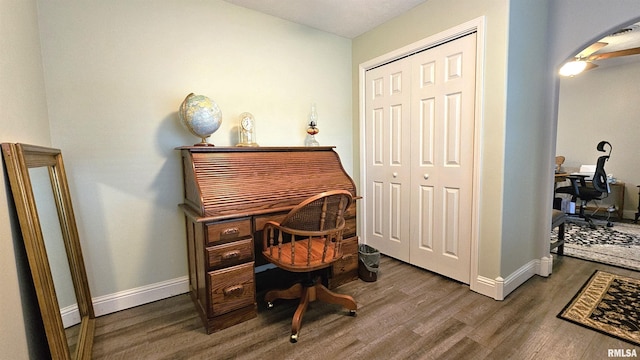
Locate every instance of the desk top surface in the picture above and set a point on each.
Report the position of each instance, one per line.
(221, 149)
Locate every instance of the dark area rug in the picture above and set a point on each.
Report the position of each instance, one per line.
(607, 303)
(618, 245)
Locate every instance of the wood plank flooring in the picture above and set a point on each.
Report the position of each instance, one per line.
(409, 313)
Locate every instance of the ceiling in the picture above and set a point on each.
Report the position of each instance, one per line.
(346, 18)
(351, 18)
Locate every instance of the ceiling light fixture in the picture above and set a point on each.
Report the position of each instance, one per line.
(627, 29)
(573, 68)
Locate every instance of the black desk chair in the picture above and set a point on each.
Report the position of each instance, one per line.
(598, 190)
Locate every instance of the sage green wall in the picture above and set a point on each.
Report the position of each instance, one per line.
(116, 73)
(525, 233)
(433, 17)
(23, 118)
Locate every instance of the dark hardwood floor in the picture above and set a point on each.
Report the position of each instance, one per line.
(409, 313)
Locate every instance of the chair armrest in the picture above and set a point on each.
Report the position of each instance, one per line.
(575, 179)
(578, 177)
(295, 232)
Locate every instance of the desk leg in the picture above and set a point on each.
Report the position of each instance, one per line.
(638, 213)
(621, 202)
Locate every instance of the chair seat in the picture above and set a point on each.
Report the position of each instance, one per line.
(557, 217)
(585, 193)
(302, 262)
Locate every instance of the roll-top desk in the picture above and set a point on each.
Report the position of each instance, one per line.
(229, 194)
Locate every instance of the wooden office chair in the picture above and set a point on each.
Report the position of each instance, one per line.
(307, 240)
(559, 161)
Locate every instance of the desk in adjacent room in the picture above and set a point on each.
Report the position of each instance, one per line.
(560, 177)
(616, 197)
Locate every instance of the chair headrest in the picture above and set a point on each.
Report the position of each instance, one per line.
(601, 145)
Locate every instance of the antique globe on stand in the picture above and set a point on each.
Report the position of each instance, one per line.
(201, 116)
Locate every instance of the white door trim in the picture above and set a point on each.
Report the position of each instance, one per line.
(476, 25)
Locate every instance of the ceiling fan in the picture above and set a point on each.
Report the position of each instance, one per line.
(585, 59)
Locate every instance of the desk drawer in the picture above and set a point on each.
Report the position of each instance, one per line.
(349, 260)
(231, 288)
(226, 231)
(345, 269)
(233, 253)
(350, 221)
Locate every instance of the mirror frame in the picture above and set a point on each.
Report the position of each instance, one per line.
(19, 158)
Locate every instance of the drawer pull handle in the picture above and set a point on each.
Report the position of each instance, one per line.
(231, 255)
(231, 231)
(235, 290)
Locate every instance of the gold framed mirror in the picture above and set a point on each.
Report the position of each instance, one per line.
(27, 168)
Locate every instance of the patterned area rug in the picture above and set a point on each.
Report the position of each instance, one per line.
(607, 303)
(618, 245)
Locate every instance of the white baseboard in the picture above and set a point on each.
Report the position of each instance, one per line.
(629, 214)
(107, 304)
(485, 286)
(499, 287)
(520, 276)
(70, 315)
(545, 267)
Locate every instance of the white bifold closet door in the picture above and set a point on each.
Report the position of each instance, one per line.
(419, 131)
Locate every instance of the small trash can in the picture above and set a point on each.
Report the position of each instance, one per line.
(368, 263)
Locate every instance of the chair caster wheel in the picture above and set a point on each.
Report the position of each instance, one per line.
(353, 313)
(269, 305)
(294, 338)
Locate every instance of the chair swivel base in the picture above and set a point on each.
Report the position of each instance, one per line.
(307, 294)
(588, 218)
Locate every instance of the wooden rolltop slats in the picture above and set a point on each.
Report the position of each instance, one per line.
(250, 181)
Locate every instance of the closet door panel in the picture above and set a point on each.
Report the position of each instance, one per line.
(425, 228)
(387, 185)
(443, 101)
(426, 123)
(450, 235)
(452, 130)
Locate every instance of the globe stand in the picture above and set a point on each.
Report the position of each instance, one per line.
(203, 143)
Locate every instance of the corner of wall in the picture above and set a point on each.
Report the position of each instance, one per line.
(500, 287)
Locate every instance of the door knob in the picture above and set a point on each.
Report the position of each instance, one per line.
(395, 174)
(426, 176)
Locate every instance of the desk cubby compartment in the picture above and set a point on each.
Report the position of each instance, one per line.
(229, 254)
(221, 232)
(231, 289)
